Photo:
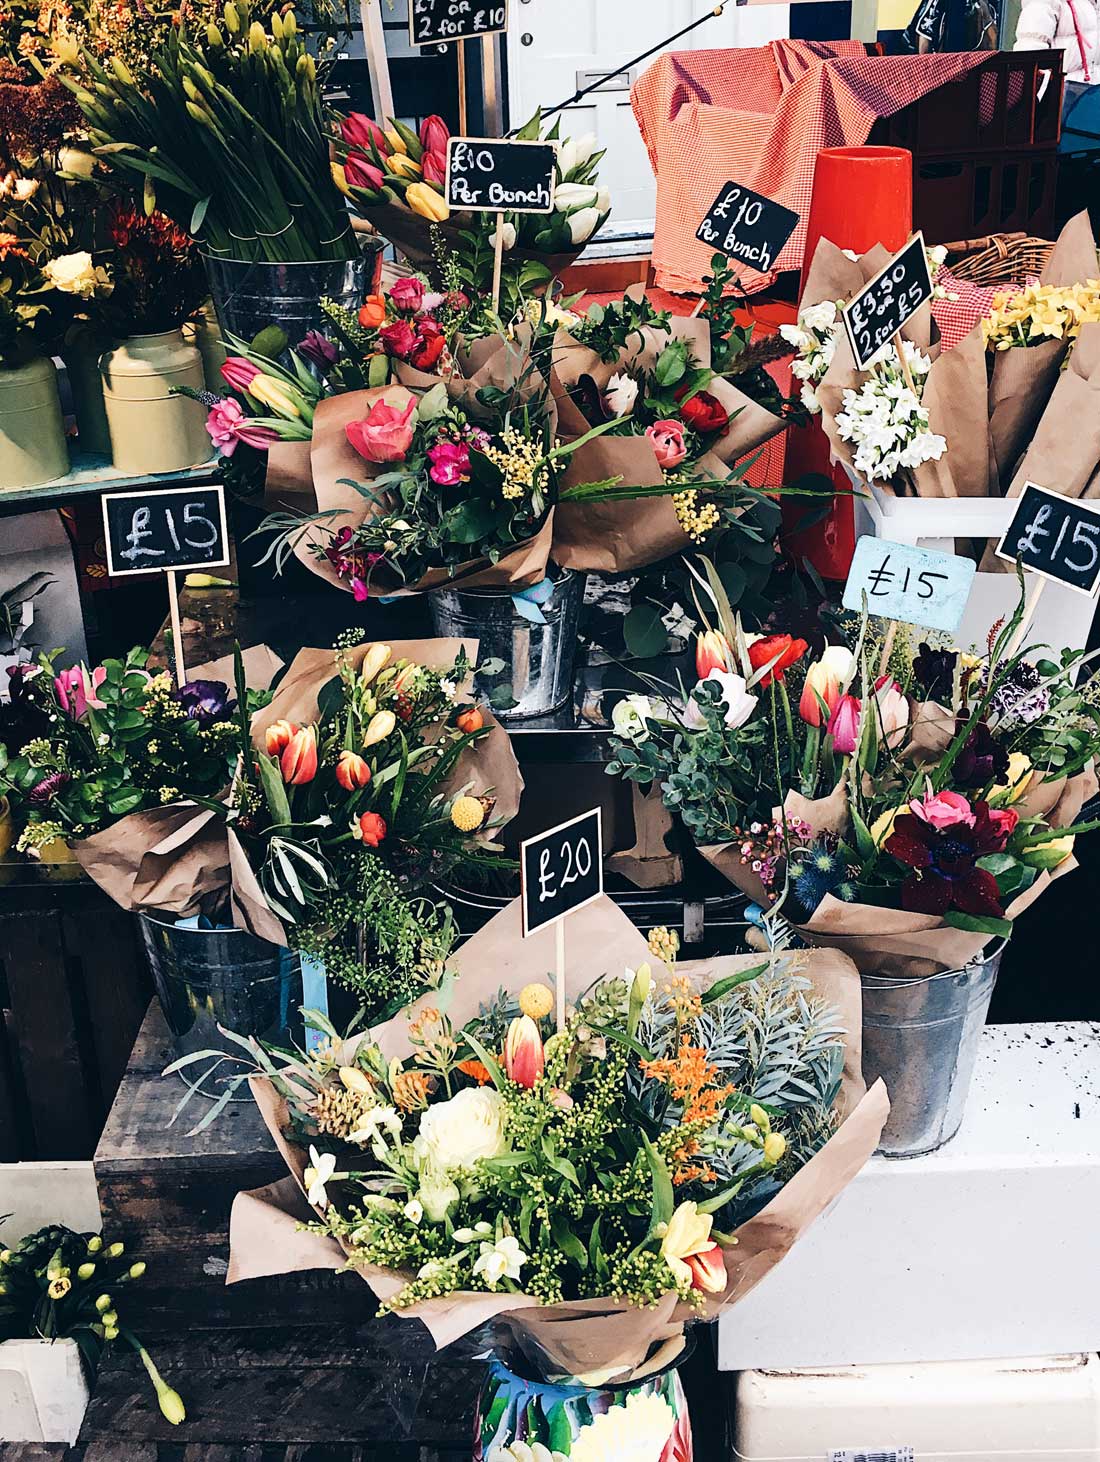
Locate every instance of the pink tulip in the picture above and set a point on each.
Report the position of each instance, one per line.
(942, 810)
(238, 373)
(708, 1272)
(362, 173)
(359, 130)
(524, 1058)
(433, 167)
(76, 690)
(825, 677)
(712, 652)
(892, 713)
(844, 725)
(434, 135)
(386, 433)
(667, 438)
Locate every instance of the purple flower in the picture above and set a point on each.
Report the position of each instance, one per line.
(982, 759)
(319, 350)
(47, 789)
(205, 701)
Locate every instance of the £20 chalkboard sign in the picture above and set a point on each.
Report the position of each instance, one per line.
(883, 306)
(747, 227)
(177, 528)
(487, 175)
(1056, 537)
(561, 871)
(432, 22)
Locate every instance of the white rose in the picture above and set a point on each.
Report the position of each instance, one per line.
(456, 1134)
(621, 394)
(629, 717)
(73, 274)
(739, 704)
(575, 195)
(583, 225)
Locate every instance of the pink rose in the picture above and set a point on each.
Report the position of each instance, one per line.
(450, 463)
(385, 435)
(359, 130)
(362, 173)
(1004, 820)
(76, 690)
(844, 725)
(407, 294)
(942, 809)
(668, 443)
(228, 425)
(399, 339)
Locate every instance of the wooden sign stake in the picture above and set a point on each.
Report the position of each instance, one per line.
(177, 632)
(559, 932)
(887, 647)
(498, 255)
(899, 348)
(462, 127)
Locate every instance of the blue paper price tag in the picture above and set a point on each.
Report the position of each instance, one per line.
(915, 585)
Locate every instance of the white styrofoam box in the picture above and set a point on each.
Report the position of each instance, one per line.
(1046, 1408)
(985, 1249)
(34, 1194)
(43, 1391)
(1063, 617)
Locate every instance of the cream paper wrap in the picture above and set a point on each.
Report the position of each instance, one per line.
(592, 1337)
(320, 475)
(624, 535)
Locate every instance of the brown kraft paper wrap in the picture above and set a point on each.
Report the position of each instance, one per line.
(598, 1337)
(1023, 378)
(412, 235)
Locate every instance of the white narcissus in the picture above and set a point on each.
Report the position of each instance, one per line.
(739, 704)
(501, 1260)
(321, 1170)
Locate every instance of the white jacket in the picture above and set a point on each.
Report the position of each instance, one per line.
(1044, 24)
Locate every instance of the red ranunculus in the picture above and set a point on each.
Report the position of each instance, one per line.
(767, 647)
(945, 863)
(430, 345)
(705, 414)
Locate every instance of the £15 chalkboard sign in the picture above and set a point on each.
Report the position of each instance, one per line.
(487, 175)
(916, 585)
(883, 306)
(434, 21)
(178, 528)
(561, 870)
(1056, 537)
(747, 227)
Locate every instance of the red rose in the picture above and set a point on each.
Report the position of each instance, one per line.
(705, 414)
(399, 339)
(430, 344)
(767, 647)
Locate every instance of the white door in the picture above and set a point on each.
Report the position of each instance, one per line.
(557, 46)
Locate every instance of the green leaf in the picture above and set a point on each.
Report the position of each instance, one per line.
(271, 780)
(567, 1240)
(719, 1200)
(198, 214)
(561, 1429)
(722, 987)
(643, 632)
(865, 843)
(489, 1062)
(664, 1200)
(979, 923)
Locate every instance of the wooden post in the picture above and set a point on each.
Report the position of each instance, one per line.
(887, 647)
(900, 348)
(498, 253)
(559, 939)
(177, 632)
(492, 109)
(463, 128)
(378, 66)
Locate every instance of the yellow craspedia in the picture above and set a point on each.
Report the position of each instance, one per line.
(467, 814)
(536, 1000)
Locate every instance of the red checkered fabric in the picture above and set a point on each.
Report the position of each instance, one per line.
(761, 116)
(956, 317)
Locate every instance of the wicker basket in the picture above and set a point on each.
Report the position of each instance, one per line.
(998, 258)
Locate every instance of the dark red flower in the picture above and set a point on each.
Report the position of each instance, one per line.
(945, 862)
(47, 789)
(399, 339)
(705, 414)
(430, 344)
(982, 760)
(767, 647)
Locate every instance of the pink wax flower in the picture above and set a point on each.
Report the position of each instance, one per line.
(407, 294)
(942, 809)
(228, 425)
(450, 463)
(352, 563)
(668, 443)
(385, 434)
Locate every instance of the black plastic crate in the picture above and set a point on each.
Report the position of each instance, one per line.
(969, 197)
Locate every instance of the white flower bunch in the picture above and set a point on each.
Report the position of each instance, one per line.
(885, 420)
(814, 337)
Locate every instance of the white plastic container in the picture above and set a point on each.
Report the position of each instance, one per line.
(43, 1391)
(1063, 618)
(1032, 1410)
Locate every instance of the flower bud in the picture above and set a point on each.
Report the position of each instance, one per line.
(103, 1303)
(708, 1272)
(277, 737)
(85, 1271)
(381, 725)
(524, 1059)
(712, 652)
(775, 1146)
(760, 1117)
(298, 762)
(115, 1250)
(257, 37)
(137, 1270)
(352, 771)
(232, 19)
(374, 660)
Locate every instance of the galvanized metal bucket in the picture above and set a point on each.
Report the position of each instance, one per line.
(921, 1036)
(529, 666)
(210, 977)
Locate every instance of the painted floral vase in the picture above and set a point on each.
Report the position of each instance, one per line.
(532, 1421)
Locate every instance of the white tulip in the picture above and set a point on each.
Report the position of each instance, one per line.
(603, 200)
(567, 156)
(739, 704)
(583, 225)
(508, 235)
(574, 195)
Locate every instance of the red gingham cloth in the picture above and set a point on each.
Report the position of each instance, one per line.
(760, 117)
(957, 317)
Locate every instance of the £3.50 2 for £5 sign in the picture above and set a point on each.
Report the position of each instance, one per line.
(887, 302)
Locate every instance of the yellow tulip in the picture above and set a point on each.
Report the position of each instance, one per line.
(427, 202)
(402, 166)
(396, 142)
(270, 392)
(339, 178)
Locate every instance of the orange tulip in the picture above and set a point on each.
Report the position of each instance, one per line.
(712, 652)
(373, 312)
(277, 737)
(708, 1273)
(298, 762)
(470, 720)
(524, 1058)
(352, 771)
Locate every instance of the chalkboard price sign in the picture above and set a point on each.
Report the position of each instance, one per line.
(179, 528)
(1056, 537)
(435, 21)
(883, 306)
(747, 227)
(486, 175)
(561, 870)
(916, 585)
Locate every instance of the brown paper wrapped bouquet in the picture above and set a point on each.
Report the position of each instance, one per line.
(596, 1189)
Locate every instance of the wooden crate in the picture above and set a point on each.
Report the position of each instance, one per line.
(73, 990)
